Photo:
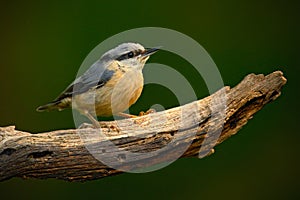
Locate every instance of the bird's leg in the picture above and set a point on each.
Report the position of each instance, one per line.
(126, 115)
(95, 123)
(92, 119)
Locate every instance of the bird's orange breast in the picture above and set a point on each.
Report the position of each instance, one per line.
(117, 95)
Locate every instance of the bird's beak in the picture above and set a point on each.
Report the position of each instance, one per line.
(150, 51)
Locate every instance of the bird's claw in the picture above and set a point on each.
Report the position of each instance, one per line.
(86, 125)
(105, 126)
(151, 110)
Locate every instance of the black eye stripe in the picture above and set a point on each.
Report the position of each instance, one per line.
(128, 55)
(122, 57)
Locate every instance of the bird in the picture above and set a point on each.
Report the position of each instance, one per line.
(110, 85)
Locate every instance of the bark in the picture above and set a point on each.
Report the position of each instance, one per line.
(142, 143)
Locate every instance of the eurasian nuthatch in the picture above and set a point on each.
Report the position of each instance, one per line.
(110, 86)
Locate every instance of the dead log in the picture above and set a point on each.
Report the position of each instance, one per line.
(71, 154)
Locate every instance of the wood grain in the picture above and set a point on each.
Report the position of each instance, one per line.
(152, 140)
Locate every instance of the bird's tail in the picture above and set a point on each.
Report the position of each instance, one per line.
(55, 105)
(48, 107)
(58, 104)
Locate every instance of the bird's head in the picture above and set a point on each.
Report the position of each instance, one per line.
(129, 55)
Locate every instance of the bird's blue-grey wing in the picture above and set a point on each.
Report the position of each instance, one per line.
(96, 76)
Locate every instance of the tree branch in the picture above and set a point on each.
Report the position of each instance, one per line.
(70, 154)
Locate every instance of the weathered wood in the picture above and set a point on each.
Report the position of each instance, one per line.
(63, 154)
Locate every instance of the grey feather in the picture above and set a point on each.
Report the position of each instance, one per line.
(96, 76)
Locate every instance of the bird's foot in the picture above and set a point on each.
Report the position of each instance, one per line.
(142, 113)
(85, 125)
(151, 110)
(106, 127)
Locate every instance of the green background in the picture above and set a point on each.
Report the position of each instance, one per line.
(43, 43)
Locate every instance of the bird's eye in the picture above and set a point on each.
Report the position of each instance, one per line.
(130, 54)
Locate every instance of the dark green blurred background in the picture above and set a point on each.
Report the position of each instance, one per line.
(44, 42)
